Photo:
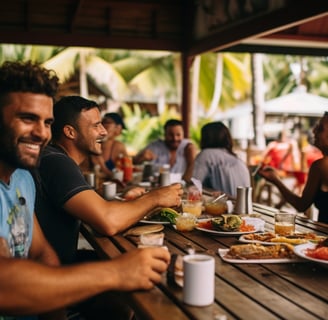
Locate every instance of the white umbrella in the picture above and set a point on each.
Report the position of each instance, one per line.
(297, 104)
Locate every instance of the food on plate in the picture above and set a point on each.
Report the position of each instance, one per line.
(164, 215)
(289, 240)
(227, 222)
(257, 251)
(216, 224)
(320, 251)
(263, 237)
(296, 238)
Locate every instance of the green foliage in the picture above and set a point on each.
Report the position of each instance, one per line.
(142, 128)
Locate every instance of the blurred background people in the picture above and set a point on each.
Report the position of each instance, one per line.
(283, 153)
(316, 187)
(112, 148)
(174, 150)
(217, 166)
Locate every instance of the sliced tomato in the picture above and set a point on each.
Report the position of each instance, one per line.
(206, 225)
(318, 253)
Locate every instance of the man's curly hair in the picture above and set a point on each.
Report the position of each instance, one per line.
(27, 77)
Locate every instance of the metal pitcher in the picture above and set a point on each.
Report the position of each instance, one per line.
(244, 203)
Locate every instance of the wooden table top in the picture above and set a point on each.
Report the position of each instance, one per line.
(242, 291)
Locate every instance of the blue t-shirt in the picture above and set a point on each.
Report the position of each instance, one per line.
(16, 212)
(16, 217)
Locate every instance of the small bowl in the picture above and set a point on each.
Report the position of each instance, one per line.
(216, 208)
(185, 222)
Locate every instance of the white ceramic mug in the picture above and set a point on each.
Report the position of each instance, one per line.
(109, 190)
(198, 279)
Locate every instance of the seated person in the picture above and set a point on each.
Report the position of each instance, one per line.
(112, 149)
(316, 187)
(174, 150)
(282, 154)
(62, 203)
(32, 284)
(217, 166)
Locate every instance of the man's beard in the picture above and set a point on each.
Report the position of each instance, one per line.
(172, 145)
(16, 161)
(10, 154)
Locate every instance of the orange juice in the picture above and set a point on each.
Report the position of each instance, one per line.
(216, 208)
(193, 207)
(283, 228)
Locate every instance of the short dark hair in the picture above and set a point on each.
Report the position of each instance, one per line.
(67, 111)
(18, 76)
(172, 123)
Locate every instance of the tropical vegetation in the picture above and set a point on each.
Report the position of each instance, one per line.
(125, 79)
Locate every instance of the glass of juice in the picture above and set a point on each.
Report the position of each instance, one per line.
(192, 206)
(284, 223)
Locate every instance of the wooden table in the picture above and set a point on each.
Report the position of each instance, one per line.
(242, 291)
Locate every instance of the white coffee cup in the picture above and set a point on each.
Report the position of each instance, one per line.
(109, 190)
(198, 279)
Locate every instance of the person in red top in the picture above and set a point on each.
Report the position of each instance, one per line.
(316, 187)
(282, 154)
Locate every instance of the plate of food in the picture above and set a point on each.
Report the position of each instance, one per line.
(313, 252)
(229, 224)
(272, 238)
(257, 253)
(161, 216)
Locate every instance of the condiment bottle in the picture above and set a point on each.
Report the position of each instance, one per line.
(127, 169)
(164, 177)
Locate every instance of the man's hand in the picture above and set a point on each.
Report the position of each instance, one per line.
(168, 196)
(134, 193)
(140, 268)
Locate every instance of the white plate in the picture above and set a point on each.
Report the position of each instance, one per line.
(242, 239)
(300, 250)
(254, 221)
(154, 222)
(222, 253)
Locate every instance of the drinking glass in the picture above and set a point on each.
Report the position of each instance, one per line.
(193, 207)
(284, 223)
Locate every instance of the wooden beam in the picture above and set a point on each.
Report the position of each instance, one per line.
(75, 15)
(100, 41)
(262, 25)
